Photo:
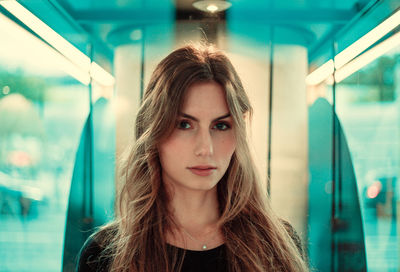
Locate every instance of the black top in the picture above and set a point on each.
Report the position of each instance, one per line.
(195, 261)
(212, 260)
(206, 260)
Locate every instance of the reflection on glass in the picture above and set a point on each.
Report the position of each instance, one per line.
(42, 110)
(368, 105)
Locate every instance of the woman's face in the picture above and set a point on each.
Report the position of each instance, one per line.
(197, 154)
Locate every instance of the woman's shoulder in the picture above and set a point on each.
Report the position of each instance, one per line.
(93, 255)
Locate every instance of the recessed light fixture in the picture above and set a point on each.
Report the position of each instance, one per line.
(212, 5)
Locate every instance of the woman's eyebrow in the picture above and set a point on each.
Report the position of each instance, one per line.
(195, 119)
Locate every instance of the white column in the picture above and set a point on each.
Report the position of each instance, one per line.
(127, 65)
(289, 149)
(254, 73)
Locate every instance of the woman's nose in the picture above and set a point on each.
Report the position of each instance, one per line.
(204, 144)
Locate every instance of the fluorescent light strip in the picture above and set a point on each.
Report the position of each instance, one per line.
(327, 69)
(18, 45)
(74, 71)
(321, 73)
(58, 42)
(367, 57)
(48, 34)
(100, 75)
(367, 40)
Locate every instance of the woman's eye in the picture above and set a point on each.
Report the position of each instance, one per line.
(222, 126)
(183, 125)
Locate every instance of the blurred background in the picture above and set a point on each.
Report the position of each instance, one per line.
(323, 78)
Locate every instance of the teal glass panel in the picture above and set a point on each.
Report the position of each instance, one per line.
(368, 105)
(336, 239)
(42, 113)
(103, 160)
(93, 184)
(347, 228)
(79, 223)
(320, 184)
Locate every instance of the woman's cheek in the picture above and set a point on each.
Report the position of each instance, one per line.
(228, 145)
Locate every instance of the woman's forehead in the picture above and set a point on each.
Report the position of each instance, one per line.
(205, 98)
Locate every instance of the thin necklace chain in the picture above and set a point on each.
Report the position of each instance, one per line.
(203, 245)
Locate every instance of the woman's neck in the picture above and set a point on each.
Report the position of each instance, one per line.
(196, 215)
(195, 210)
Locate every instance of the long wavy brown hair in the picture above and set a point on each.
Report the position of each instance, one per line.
(255, 239)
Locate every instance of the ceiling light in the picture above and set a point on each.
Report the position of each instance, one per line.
(212, 5)
(212, 8)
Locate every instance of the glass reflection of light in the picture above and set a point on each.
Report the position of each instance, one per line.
(374, 189)
(6, 90)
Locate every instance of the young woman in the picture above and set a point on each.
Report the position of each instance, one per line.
(189, 199)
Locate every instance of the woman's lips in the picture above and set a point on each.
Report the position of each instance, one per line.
(202, 170)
